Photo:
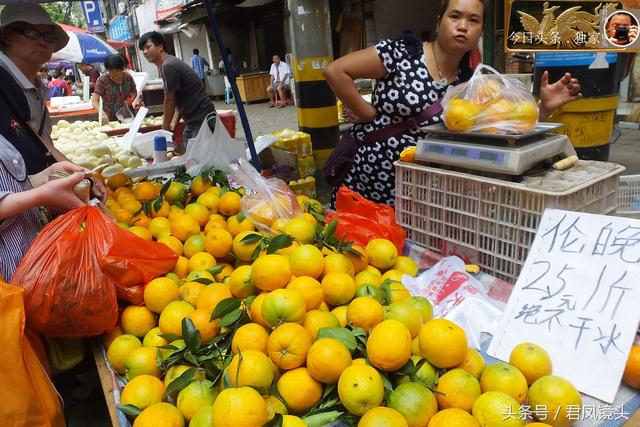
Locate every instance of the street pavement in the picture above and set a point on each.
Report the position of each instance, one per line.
(263, 120)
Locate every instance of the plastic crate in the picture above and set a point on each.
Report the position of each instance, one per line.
(629, 196)
(491, 222)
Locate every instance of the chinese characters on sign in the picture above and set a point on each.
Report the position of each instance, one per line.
(577, 296)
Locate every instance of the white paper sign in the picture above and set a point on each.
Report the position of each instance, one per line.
(127, 140)
(578, 296)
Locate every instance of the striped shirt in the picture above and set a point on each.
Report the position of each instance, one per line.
(16, 232)
(198, 63)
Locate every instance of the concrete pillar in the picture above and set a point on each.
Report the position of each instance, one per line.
(310, 30)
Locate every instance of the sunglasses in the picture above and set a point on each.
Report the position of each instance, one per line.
(32, 34)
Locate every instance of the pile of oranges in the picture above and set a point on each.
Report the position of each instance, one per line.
(300, 335)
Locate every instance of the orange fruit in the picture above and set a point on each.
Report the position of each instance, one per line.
(239, 223)
(198, 212)
(162, 413)
(119, 349)
(240, 282)
(310, 289)
(631, 376)
(229, 203)
(210, 200)
(306, 260)
(554, 400)
(153, 338)
(251, 336)
(341, 314)
(118, 180)
(406, 265)
(360, 261)
(251, 368)
(425, 375)
(299, 390)
(382, 253)
(292, 421)
(424, 305)
(270, 272)
(326, 360)
(255, 311)
(389, 345)
(142, 361)
(453, 417)
(142, 391)
(473, 363)
(302, 230)
(407, 313)
(193, 245)
(214, 223)
(176, 193)
(394, 292)
(189, 291)
(382, 416)
(211, 295)
(360, 388)
(532, 360)
(145, 191)
(159, 225)
(366, 277)
(141, 220)
(123, 215)
(137, 320)
(288, 346)
(460, 114)
(339, 288)
(160, 292)
(183, 227)
(283, 305)
(171, 317)
(415, 402)
(194, 396)
(201, 261)
(244, 250)
(503, 377)
(337, 263)
(199, 185)
(443, 343)
(108, 337)
(208, 329)
(316, 320)
(218, 242)
(241, 406)
(141, 232)
(365, 312)
(172, 243)
(496, 408)
(274, 406)
(162, 211)
(457, 389)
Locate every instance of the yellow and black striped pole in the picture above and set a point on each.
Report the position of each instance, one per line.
(311, 45)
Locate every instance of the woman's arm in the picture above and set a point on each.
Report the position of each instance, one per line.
(95, 102)
(57, 195)
(340, 75)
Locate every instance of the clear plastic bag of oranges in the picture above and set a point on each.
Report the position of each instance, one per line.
(266, 200)
(490, 103)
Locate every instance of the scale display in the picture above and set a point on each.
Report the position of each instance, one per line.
(493, 157)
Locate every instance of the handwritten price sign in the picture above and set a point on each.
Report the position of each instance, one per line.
(578, 296)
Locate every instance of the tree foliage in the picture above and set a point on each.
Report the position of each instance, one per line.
(62, 12)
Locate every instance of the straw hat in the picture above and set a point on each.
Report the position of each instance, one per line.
(32, 14)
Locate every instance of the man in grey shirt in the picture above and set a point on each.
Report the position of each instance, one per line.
(183, 89)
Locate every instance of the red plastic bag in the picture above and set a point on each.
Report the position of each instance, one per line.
(361, 220)
(73, 268)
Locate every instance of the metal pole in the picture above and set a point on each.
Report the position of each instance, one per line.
(231, 75)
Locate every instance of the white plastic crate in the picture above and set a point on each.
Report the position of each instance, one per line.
(629, 196)
(491, 222)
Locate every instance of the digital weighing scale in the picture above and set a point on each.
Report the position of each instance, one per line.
(503, 154)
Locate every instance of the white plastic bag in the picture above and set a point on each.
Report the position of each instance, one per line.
(457, 296)
(212, 149)
(266, 200)
(490, 103)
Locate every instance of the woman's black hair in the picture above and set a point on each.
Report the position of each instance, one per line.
(465, 65)
(114, 62)
(155, 38)
(57, 74)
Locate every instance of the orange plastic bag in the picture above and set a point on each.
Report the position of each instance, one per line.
(361, 220)
(29, 397)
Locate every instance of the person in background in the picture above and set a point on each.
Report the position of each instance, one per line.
(71, 80)
(198, 63)
(621, 28)
(183, 89)
(92, 72)
(117, 89)
(279, 83)
(43, 73)
(232, 64)
(411, 76)
(58, 86)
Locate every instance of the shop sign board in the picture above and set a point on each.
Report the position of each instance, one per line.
(93, 15)
(119, 29)
(578, 296)
(166, 8)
